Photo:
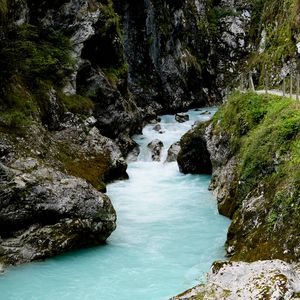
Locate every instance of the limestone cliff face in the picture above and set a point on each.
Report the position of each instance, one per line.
(187, 49)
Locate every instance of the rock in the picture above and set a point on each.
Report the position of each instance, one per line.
(133, 155)
(155, 121)
(181, 117)
(273, 279)
(205, 113)
(155, 147)
(157, 128)
(196, 123)
(126, 144)
(194, 157)
(90, 121)
(52, 213)
(98, 145)
(173, 152)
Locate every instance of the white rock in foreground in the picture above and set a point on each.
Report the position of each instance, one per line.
(272, 279)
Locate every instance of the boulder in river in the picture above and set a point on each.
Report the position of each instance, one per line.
(157, 127)
(155, 147)
(206, 113)
(271, 279)
(194, 157)
(133, 154)
(173, 152)
(181, 117)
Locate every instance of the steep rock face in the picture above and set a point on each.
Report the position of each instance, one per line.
(45, 212)
(134, 59)
(187, 49)
(237, 280)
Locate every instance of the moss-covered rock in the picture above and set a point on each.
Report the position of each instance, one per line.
(253, 142)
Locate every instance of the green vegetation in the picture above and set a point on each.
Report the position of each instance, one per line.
(35, 54)
(35, 61)
(76, 104)
(109, 20)
(279, 21)
(114, 74)
(90, 168)
(264, 135)
(214, 15)
(3, 10)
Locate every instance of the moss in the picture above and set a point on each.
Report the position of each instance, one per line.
(115, 74)
(17, 107)
(33, 60)
(279, 19)
(76, 104)
(35, 54)
(110, 19)
(264, 136)
(91, 168)
(3, 10)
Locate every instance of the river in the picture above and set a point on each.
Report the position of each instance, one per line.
(168, 234)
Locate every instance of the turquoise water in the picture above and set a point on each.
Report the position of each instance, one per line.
(169, 232)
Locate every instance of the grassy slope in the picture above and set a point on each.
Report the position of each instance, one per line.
(265, 136)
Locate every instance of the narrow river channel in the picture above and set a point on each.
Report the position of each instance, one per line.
(168, 234)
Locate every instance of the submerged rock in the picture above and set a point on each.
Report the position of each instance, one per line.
(155, 147)
(173, 152)
(273, 279)
(45, 212)
(181, 117)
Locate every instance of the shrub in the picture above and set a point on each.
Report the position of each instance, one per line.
(35, 54)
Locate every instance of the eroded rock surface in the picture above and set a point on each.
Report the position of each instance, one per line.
(193, 156)
(45, 212)
(272, 279)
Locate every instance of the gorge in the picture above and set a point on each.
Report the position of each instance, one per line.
(79, 78)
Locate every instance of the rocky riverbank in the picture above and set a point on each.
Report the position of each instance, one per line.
(51, 183)
(273, 279)
(253, 146)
